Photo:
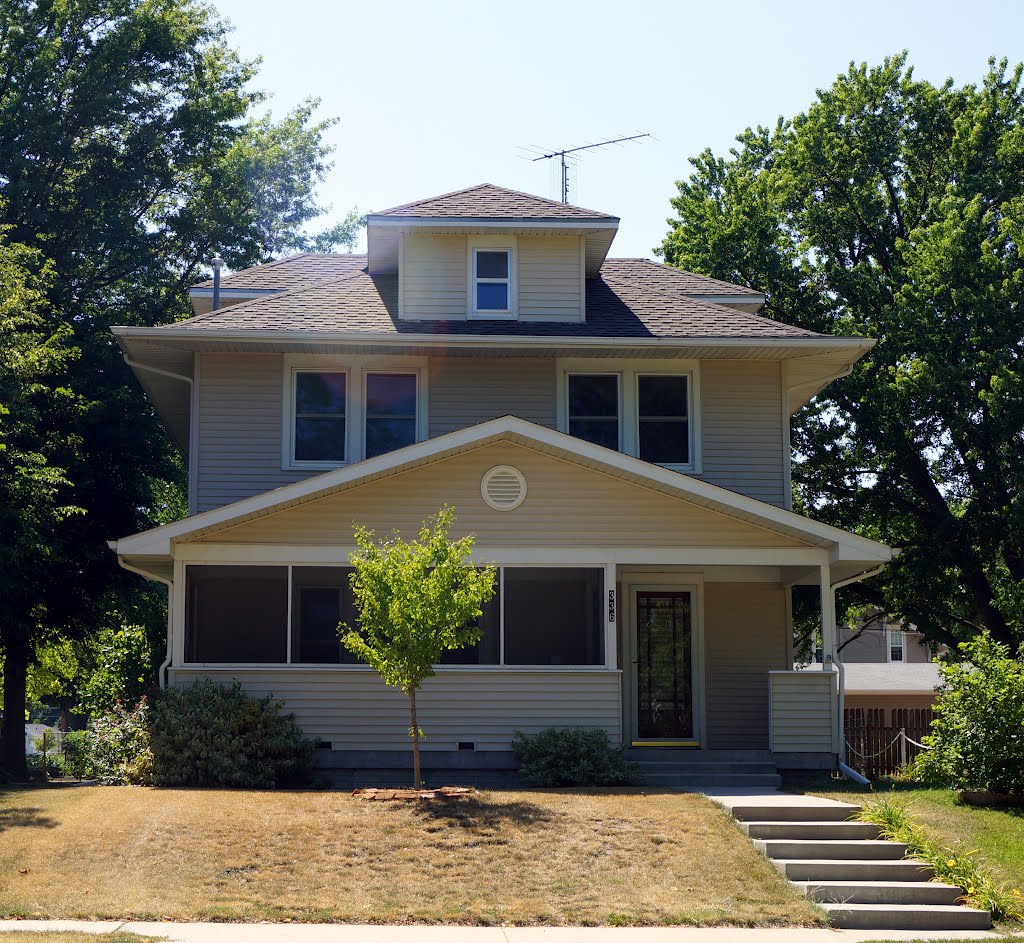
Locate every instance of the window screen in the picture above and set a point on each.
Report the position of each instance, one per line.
(236, 614)
(390, 412)
(487, 650)
(321, 599)
(491, 280)
(553, 616)
(320, 416)
(594, 408)
(664, 435)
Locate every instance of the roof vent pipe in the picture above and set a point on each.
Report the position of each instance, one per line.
(217, 262)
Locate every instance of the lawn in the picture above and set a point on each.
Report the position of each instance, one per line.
(528, 857)
(998, 834)
(70, 936)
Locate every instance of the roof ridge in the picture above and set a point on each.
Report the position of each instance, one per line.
(492, 186)
(275, 295)
(665, 267)
(273, 263)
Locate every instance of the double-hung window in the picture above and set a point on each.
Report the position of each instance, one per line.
(358, 409)
(896, 648)
(491, 286)
(646, 411)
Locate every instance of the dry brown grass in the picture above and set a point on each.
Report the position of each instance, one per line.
(70, 936)
(600, 857)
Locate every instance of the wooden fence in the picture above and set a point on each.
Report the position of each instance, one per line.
(878, 740)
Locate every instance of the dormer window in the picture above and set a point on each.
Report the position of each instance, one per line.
(491, 281)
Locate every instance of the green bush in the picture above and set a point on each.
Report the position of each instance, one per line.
(76, 755)
(977, 736)
(117, 745)
(571, 756)
(214, 735)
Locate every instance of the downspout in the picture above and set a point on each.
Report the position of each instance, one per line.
(165, 664)
(840, 731)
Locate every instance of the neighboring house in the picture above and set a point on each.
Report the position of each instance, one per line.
(887, 668)
(615, 432)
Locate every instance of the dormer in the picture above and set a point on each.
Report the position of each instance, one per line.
(489, 254)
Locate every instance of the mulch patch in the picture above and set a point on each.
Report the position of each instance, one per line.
(412, 795)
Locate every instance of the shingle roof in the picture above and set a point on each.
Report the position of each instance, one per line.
(631, 298)
(486, 201)
(891, 676)
(293, 271)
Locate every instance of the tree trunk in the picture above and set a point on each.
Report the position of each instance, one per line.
(415, 730)
(15, 681)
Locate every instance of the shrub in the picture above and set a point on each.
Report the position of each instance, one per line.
(571, 756)
(214, 735)
(117, 745)
(977, 736)
(76, 761)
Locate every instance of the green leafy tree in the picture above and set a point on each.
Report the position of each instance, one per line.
(132, 147)
(894, 209)
(977, 736)
(416, 600)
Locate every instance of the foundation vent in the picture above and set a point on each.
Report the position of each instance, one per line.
(503, 488)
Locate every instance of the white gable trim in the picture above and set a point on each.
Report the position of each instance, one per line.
(842, 545)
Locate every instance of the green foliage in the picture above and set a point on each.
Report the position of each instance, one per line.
(76, 761)
(118, 669)
(132, 147)
(572, 756)
(214, 735)
(952, 866)
(977, 736)
(893, 209)
(416, 599)
(117, 745)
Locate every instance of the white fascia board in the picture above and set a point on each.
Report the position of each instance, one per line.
(158, 541)
(286, 338)
(469, 222)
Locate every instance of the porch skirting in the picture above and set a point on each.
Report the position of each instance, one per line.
(350, 708)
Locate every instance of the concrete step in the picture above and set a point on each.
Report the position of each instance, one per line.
(860, 850)
(780, 812)
(841, 869)
(880, 892)
(699, 780)
(682, 755)
(906, 917)
(703, 766)
(828, 831)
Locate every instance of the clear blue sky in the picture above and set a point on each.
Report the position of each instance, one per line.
(435, 95)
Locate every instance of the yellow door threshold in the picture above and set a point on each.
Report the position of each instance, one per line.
(665, 743)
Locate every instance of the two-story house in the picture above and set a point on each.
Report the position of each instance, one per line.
(615, 432)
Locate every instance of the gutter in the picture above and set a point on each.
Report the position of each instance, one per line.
(165, 664)
(841, 670)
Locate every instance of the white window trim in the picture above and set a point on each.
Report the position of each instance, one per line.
(890, 635)
(355, 370)
(629, 409)
(492, 243)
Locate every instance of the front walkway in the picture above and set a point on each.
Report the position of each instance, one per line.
(349, 933)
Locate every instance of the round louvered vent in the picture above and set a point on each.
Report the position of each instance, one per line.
(503, 488)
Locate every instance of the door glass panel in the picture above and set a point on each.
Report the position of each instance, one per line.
(664, 665)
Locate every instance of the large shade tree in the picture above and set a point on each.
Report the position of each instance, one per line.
(893, 209)
(132, 147)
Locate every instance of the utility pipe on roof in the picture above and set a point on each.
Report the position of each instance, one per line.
(217, 262)
(840, 731)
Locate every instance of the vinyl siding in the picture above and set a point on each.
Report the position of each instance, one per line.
(567, 505)
(803, 705)
(465, 391)
(742, 428)
(433, 278)
(550, 286)
(744, 638)
(239, 428)
(353, 709)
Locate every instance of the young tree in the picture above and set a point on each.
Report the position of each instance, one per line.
(416, 600)
(894, 209)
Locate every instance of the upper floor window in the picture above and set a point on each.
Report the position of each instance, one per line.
(492, 290)
(338, 414)
(896, 645)
(649, 413)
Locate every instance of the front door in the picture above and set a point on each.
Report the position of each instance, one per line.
(664, 664)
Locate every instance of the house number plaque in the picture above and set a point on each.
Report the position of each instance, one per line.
(611, 605)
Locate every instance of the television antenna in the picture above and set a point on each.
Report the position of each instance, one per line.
(567, 167)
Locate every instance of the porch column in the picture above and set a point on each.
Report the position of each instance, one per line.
(611, 600)
(830, 656)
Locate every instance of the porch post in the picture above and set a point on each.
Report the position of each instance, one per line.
(611, 615)
(829, 642)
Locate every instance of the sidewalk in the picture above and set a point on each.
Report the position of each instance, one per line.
(352, 933)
